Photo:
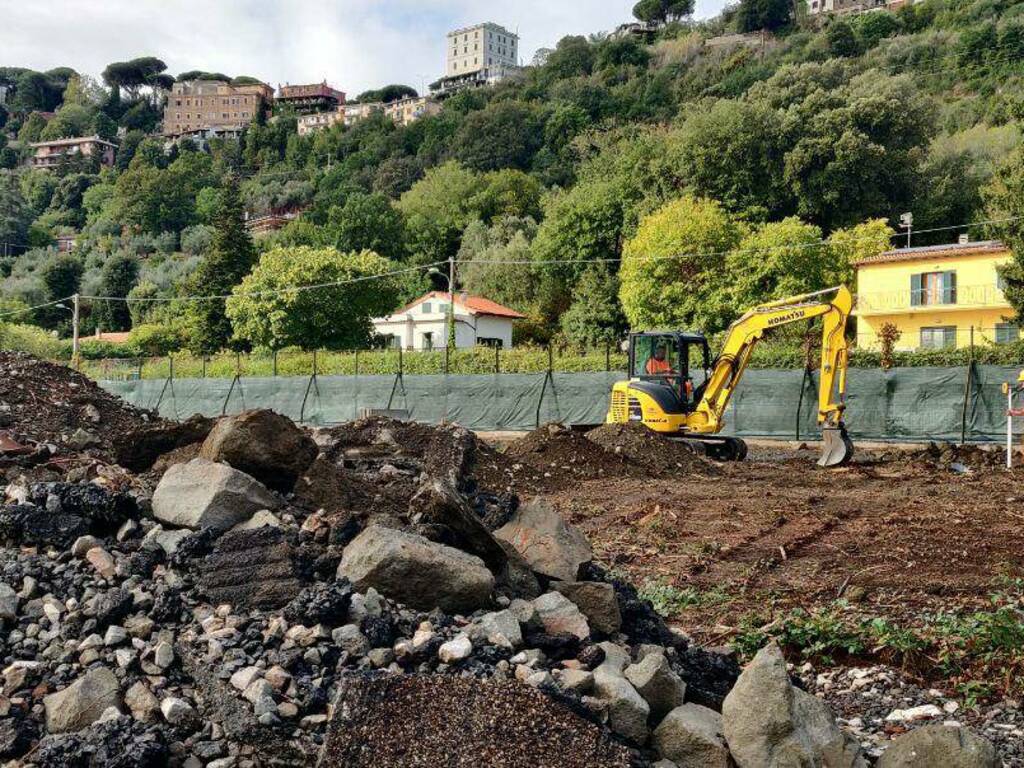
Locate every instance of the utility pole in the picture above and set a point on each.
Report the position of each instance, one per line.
(74, 329)
(451, 302)
(907, 223)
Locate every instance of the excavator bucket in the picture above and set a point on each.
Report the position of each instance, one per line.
(836, 447)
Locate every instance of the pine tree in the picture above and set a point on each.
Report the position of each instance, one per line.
(231, 257)
(119, 276)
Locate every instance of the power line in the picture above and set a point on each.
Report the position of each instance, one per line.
(33, 309)
(764, 249)
(269, 292)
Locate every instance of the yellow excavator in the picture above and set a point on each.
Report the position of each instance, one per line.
(660, 392)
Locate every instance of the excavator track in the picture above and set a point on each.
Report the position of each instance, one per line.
(715, 447)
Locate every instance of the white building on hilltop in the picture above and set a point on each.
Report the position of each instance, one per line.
(423, 323)
(482, 54)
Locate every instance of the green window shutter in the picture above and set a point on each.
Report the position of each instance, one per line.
(949, 287)
(915, 291)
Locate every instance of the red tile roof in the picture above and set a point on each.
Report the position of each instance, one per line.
(478, 305)
(931, 252)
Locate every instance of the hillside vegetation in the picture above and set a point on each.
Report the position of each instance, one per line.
(621, 182)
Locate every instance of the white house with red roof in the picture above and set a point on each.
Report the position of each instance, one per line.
(421, 324)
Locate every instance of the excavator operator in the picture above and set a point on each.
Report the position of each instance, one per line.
(658, 365)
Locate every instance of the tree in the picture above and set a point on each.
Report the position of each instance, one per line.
(387, 94)
(337, 317)
(136, 74)
(1004, 202)
(776, 260)
(672, 270)
(368, 223)
(595, 316)
(754, 15)
(849, 246)
(660, 11)
(437, 209)
(32, 129)
(230, 258)
(118, 277)
(504, 135)
(396, 175)
(494, 262)
(15, 214)
(842, 41)
(62, 278)
(572, 57)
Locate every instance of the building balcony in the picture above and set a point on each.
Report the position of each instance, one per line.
(964, 297)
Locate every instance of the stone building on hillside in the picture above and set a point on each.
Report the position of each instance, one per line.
(208, 108)
(50, 154)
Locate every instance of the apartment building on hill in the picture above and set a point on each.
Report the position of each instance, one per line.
(208, 108)
(310, 99)
(50, 154)
(482, 54)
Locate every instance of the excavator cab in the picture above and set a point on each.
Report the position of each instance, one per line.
(662, 363)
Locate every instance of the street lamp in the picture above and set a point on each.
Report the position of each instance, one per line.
(74, 324)
(450, 331)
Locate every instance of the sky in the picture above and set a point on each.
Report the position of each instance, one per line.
(354, 44)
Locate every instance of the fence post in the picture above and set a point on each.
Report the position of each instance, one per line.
(314, 362)
(551, 358)
(497, 358)
(140, 369)
(205, 360)
(275, 363)
(357, 362)
(447, 347)
(607, 356)
(170, 367)
(967, 390)
(401, 363)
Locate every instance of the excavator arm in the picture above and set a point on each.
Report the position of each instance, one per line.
(747, 331)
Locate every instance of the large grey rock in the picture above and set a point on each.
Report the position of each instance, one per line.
(204, 494)
(627, 710)
(8, 602)
(417, 572)
(551, 546)
(596, 600)
(263, 444)
(768, 723)
(691, 737)
(661, 688)
(81, 703)
(441, 514)
(559, 615)
(935, 745)
(502, 629)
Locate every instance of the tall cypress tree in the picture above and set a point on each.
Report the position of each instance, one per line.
(230, 258)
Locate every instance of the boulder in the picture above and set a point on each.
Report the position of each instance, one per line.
(263, 444)
(767, 722)
(932, 745)
(141, 702)
(441, 514)
(417, 572)
(596, 600)
(502, 629)
(551, 546)
(661, 688)
(691, 737)
(627, 710)
(560, 616)
(8, 602)
(81, 703)
(204, 494)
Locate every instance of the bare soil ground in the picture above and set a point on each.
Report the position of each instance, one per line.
(902, 535)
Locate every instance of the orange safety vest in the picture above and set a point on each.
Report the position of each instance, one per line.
(656, 366)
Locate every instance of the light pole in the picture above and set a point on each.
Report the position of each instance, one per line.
(450, 277)
(74, 326)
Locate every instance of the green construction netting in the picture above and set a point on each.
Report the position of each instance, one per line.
(899, 404)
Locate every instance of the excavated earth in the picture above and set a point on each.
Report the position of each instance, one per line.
(897, 535)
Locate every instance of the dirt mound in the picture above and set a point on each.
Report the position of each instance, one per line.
(559, 451)
(948, 456)
(411, 720)
(43, 402)
(650, 450)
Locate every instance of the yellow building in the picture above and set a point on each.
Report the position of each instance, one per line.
(935, 295)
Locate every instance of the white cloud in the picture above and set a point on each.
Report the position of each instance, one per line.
(353, 44)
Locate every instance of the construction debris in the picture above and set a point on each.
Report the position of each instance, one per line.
(369, 595)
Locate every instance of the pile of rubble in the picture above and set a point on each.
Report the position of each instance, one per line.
(358, 596)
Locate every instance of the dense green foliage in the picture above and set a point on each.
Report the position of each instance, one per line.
(643, 180)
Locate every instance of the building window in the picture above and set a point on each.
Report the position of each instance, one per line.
(428, 341)
(1007, 333)
(426, 308)
(932, 288)
(939, 337)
